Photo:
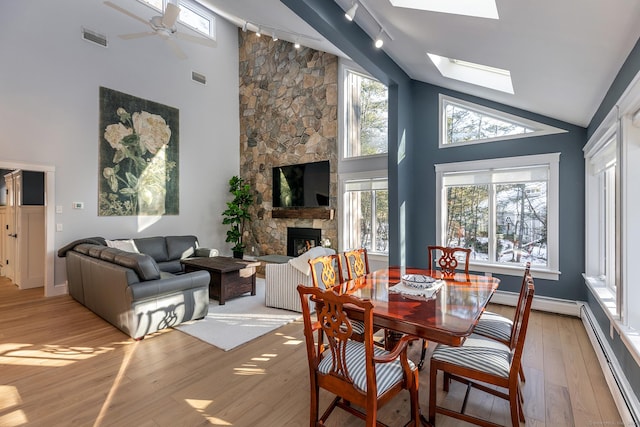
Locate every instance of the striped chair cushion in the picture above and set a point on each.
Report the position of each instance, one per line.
(479, 353)
(358, 327)
(494, 326)
(387, 374)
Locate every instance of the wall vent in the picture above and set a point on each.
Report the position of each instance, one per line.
(200, 78)
(93, 37)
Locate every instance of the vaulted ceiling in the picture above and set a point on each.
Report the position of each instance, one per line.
(562, 54)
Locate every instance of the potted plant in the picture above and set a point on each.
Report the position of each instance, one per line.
(237, 214)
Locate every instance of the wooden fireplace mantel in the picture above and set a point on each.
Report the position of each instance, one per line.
(304, 213)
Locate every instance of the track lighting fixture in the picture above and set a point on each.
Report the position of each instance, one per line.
(297, 44)
(351, 13)
(274, 37)
(244, 27)
(259, 32)
(379, 42)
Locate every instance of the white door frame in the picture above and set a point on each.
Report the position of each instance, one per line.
(49, 224)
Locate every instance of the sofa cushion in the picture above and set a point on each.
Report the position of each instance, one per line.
(109, 254)
(180, 247)
(153, 246)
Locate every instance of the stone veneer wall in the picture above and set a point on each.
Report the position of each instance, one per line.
(288, 115)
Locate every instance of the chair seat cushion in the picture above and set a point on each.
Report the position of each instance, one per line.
(494, 326)
(387, 374)
(478, 353)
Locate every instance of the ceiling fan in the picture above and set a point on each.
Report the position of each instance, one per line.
(163, 26)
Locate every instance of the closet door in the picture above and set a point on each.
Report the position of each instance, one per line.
(10, 228)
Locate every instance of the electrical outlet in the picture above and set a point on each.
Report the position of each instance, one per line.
(58, 227)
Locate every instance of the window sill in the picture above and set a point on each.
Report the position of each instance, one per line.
(515, 270)
(607, 300)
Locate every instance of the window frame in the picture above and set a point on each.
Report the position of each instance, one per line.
(539, 129)
(552, 271)
(343, 179)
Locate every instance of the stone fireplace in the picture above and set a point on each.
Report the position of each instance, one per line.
(288, 115)
(300, 240)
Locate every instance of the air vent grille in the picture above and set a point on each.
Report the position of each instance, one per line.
(93, 37)
(200, 78)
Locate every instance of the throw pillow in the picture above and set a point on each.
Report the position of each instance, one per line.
(124, 245)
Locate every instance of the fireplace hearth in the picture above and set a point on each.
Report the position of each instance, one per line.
(300, 240)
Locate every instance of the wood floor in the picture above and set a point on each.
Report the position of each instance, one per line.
(62, 365)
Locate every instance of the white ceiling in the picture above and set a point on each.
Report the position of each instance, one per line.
(563, 54)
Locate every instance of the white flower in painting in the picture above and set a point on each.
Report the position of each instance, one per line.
(153, 131)
(115, 133)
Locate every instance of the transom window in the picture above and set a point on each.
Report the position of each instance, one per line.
(505, 210)
(192, 14)
(366, 111)
(463, 122)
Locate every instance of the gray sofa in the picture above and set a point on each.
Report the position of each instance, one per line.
(139, 293)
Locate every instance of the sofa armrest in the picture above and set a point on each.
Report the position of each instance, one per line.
(206, 252)
(281, 286)
(179, 283)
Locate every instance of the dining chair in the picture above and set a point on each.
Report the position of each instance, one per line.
(326, 271)
(357, 261)
(482, 363)
(448, 261)
(359, 374)
(498, 327)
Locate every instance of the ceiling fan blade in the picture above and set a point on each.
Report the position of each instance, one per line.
(126, 12)
(170, 17)
(137, 35)
(176, 49)
(195, 39)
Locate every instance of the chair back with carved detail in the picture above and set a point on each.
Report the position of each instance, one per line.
(326, 271)
(357, 262)
(447, 259)
(362, 376)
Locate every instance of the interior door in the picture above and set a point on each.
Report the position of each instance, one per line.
(10, 228)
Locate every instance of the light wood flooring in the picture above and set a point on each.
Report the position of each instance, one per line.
(62, 365)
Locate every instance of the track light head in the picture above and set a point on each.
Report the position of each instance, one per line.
(274, 36)
(351, 13)
(379, 42)
(259, 32)
(297, 44)
(244, 27)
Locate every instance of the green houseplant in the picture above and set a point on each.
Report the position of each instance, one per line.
(237, 214)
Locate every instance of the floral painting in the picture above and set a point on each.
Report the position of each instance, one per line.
(138, 156)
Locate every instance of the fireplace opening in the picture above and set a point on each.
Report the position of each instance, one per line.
(300, 240)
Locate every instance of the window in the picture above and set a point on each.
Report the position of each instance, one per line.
(505, 210)
(192, 14)
(365, 115)
(463, 122)
(366, 214)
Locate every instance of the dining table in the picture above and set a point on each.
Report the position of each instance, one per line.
(446, 315)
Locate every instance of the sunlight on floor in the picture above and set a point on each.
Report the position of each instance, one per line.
(46, 355)
(290, 340)
(9, 398)
(200, 406)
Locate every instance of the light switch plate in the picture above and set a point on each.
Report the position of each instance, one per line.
(78, 205)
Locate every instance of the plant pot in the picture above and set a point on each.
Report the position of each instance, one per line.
(238, 254)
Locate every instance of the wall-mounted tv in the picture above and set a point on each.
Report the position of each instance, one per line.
(301, 185)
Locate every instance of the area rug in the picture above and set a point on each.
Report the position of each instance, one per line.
(239, 320)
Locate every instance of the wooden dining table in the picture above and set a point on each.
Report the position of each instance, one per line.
(447, 317)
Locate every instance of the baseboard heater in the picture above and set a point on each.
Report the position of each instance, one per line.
(623, 395)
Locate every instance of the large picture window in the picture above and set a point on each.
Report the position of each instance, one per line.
(366, 111)
(505, 210)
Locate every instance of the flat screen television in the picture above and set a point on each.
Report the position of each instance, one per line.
(301, 185)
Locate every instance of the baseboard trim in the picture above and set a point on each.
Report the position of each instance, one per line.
(623, 395)
(548, 304)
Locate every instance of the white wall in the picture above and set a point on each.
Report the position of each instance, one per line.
(49, 111)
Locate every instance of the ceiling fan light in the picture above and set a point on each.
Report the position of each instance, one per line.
(351, 13)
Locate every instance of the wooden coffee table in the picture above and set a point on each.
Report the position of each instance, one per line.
(230, 277)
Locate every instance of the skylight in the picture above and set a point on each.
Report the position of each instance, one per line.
(470, 72)
(477, 8)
